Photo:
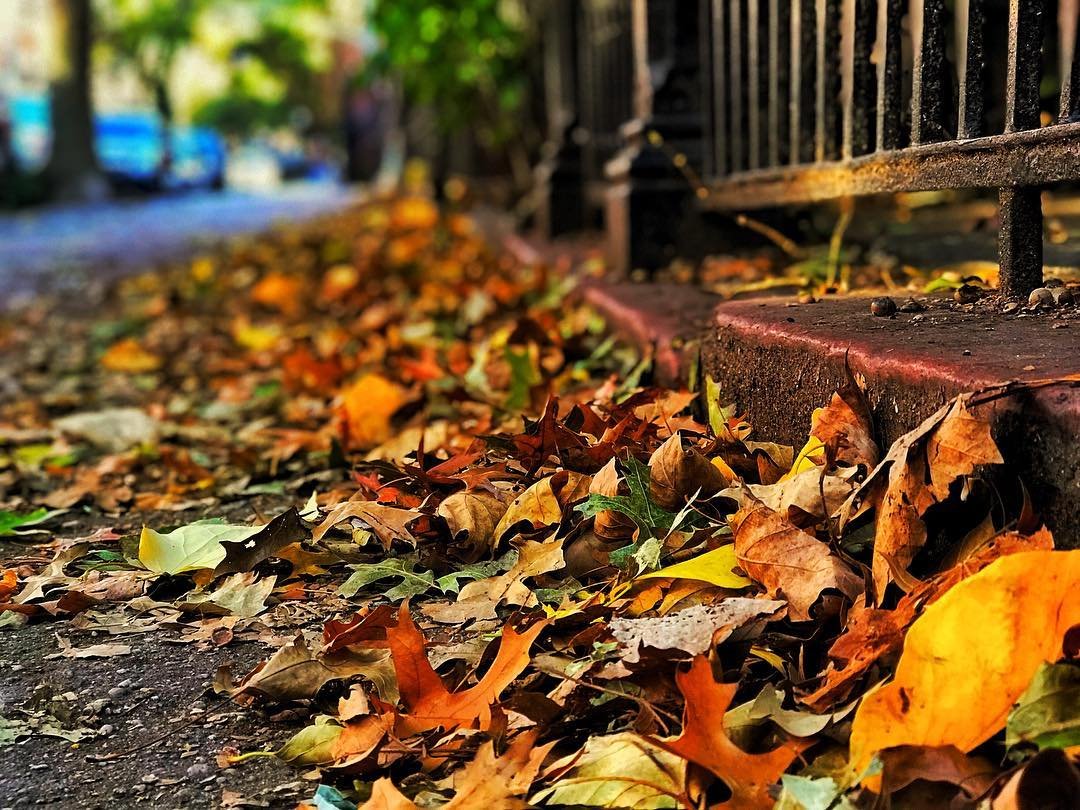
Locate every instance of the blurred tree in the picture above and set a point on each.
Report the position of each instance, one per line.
(73, 172)
(277, 67)
(465, 61)
(147, 35)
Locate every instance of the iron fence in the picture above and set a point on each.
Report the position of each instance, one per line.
(803, 101)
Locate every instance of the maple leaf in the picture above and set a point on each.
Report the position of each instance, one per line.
(389, 523)
(428, 702)
(704, 742)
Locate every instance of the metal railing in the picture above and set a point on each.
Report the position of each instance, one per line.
(803, 101)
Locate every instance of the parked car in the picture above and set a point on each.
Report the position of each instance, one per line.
(129, 146)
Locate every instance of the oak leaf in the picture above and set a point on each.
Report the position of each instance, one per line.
(499, 782)
(678, 474)
(389, 523)
(474, 514)
(971, 655)
(704, 742)
(427, 700)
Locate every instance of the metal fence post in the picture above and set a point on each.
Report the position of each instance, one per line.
(651, 212)
(560, 177)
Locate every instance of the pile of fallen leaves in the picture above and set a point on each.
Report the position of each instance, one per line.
(503, 572)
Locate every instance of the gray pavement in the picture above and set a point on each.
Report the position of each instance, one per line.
(46, 248)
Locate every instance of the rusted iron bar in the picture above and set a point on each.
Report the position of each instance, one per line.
(803, 83)
(928, 72)
(1020, 241)
(970, 68)
(1068, 19)
(889, 58)
(857, 86)
(1028, 158)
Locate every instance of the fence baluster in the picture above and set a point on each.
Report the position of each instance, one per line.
(970, 24)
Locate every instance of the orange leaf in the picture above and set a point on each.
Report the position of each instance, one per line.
(429, 702)
(9, 583)
(704, 742)
(368, 405)
(971, 655)
(129, 357)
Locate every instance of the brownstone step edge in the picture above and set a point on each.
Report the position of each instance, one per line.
(778, 360)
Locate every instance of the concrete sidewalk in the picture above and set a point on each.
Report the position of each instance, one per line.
(41, 249)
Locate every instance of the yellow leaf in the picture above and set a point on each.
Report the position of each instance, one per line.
(715, 567)
(971, 654)
(536, 506)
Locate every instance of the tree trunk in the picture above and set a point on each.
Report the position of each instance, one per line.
(73, 170)
(163, 103)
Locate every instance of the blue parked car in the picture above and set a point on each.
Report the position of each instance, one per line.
(129, 147)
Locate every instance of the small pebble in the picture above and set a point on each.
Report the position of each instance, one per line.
(149, 778)
(1052, 283)
(200, 770)
(967, 352)
(116, 691)
(967, 294)
(883, 307)
(1062, 296)
(106, 729)
(1041, 297)
(126, 683)
(1010, 307)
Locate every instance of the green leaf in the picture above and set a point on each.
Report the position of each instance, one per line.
(451, 583)
(412, 584)
(806, 793)
(313, 744)
(210, 544)
(1048, 713)
(10, 521)
(638, 505)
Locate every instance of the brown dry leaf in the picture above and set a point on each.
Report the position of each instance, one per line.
(475, 514)
(809, 497)
(1010, 618)
(429, 703)
(703, 741)
(789, 562)
(845, 425)
(295, 673)
(534, 558)
(388, 523)
(677, 474)
(693, 630)
(368, 404)
(949, 444)
(610, 525)
(908, 763)
(497, 783)
(537, 506)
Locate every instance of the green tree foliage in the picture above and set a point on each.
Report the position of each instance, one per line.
(463, 58)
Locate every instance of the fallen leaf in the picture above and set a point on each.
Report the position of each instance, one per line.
(111, 429)
(617, 771)
(368, 404)
(536, 507)
(678, 474)
(499, 782)
(473, 514)
(693, 630)
(428, 702)
(1011, 617)
(384, 796)
(389, 523)
(1048, 713)
(717, 567)
(1047, 780)
(789, 562)
(128, 357)
(704, 742)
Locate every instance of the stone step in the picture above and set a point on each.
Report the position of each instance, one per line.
(778, 360)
